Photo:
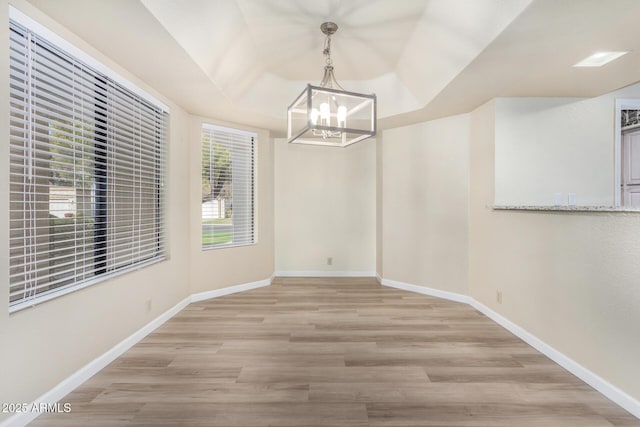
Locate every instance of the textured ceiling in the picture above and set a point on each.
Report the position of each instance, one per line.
(245, 60)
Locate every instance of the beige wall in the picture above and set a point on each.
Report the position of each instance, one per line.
(569, 278)
(219, 268)
(553, 145)
(45, 344)
(325, 207)
(425, 180)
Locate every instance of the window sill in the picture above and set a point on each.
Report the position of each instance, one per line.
(64, 290)
(227, 246)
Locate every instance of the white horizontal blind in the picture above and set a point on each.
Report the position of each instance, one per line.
(86, 171)
(228, 190)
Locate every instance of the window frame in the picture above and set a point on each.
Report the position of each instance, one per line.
(160, 142)
(253, 188)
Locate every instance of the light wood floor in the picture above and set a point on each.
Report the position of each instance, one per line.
(334, 352)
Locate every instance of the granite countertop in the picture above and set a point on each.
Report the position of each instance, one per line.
(565, 208)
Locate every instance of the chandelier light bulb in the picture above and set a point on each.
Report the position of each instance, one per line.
(314, 116)
(342, 116)
(325, 114)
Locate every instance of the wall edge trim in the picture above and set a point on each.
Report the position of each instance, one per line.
(77, 378)
(604, 387)
(321, 273)
(452, 296)
(80, 376)
(215, 293)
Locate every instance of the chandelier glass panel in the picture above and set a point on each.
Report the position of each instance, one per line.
(327, 114)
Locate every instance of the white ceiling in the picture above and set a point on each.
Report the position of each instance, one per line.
(245, 60)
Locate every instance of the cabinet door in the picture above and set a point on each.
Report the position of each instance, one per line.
(631, 147)
(632, 196)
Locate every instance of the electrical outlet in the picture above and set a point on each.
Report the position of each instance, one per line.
(557, 199)
(329, 261)
(148, 305)
(499, 297)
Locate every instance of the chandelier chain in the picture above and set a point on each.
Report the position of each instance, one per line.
(329, 80)
(327, 51)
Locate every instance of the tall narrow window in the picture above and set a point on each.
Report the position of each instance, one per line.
(228, 175)
(86, 170)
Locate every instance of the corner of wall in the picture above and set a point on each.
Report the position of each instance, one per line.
(379, 202)
(423, 181)
(481, 179)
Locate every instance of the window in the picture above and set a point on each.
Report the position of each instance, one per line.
(228, 175)
(86, 171)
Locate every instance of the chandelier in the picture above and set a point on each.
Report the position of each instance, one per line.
(327, 114)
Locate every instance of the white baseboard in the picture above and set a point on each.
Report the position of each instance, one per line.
(215, 293)
(70, 383)
(427, 291)
(322, 273)
(607, 389)
(379, 278)
(80, 376)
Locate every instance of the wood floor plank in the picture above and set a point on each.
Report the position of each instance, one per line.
(292, 414)
(183, 393)
(414, 392)
(346, 352)
(496, 414)
(390, 374)
(428, 360)
(258, 360)
(489, 374)
(233, 348)
(112, 374)
(92, 414)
